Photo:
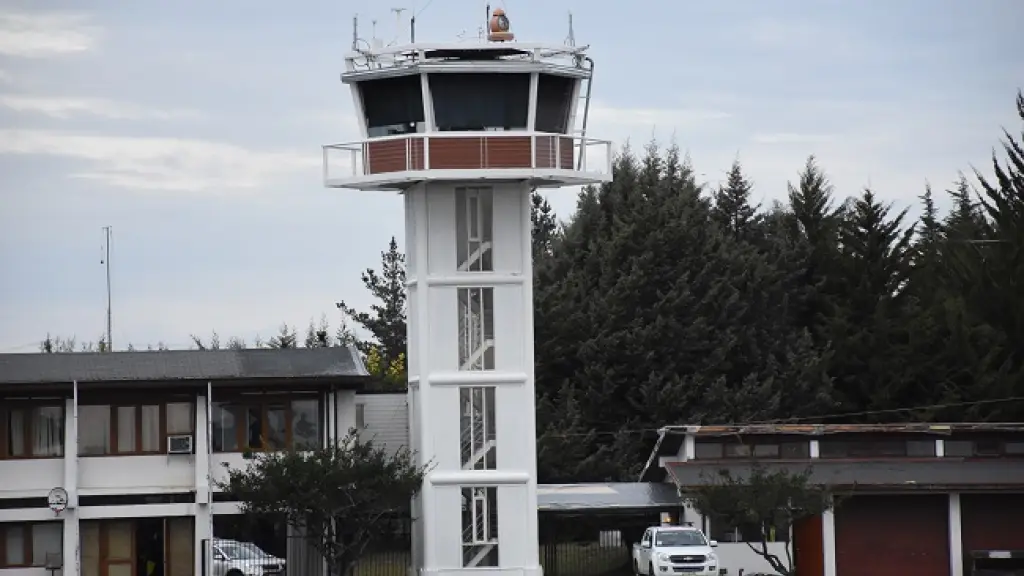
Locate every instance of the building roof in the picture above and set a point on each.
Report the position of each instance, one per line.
(609, 496)
(670, 438)
(936, 428)
(865, 475)
(338, 364)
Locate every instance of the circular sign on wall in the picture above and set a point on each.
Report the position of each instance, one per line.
(57, 500)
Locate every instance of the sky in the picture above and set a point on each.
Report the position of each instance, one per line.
(193, 128)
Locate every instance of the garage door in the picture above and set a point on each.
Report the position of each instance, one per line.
(991, 522)
(893, 536)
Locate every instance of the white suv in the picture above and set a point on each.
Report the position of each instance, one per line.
(675, 550)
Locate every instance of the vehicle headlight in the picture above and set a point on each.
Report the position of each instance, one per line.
(712, 558)
(663, 557)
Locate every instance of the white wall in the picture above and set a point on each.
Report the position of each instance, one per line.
(385, 419)
(152, 474)
(30, 478)
(736, 555)
(27, 572)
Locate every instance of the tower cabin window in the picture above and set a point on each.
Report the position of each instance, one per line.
(479, 102)
(554, 99)
(392, 105)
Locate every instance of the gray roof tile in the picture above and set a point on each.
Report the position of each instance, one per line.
(180, 365)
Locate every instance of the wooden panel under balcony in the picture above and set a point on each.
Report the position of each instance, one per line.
(479, 152)
(394, 155)
(554, 152)
(397, 162)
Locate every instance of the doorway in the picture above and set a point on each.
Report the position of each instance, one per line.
(149, 547)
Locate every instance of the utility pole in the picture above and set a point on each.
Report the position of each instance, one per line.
(106, 260)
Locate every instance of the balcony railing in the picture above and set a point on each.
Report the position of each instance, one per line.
(539, 154)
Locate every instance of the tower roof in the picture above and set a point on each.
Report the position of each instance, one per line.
(465, 57)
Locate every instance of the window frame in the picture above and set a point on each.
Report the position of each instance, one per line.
(240, 403)
(28, 542)
(1000, 445)
(137, 402)
(29, 406)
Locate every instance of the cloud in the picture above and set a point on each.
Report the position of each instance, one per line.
(776, 33)
(46, 34)
(791, 138)
(681, 117)
(6, 77)
(161, 163)
(64, 108)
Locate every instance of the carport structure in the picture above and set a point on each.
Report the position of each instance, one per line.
(589, 529)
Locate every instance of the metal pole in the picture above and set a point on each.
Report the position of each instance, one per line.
(110, 333)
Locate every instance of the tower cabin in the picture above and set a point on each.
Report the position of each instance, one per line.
(487, 110)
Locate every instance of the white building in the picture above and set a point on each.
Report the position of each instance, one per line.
(137, 441)
(465, 132)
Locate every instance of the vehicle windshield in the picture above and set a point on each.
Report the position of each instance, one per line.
(255, 549)
(241, 552)
(674, 538)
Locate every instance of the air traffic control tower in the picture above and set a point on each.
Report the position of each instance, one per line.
(465, 132)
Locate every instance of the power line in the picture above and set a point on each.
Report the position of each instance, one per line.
(641, 431)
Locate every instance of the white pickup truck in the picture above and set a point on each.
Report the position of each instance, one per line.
(675, 550)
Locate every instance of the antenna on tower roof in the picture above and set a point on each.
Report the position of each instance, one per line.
(571, 40)
(398, 23)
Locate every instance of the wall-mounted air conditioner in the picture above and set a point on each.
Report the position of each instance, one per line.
(179, 444)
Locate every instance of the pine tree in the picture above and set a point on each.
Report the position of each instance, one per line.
(386, 319)
(733, 210)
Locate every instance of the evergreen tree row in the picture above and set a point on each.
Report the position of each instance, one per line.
(662, 302)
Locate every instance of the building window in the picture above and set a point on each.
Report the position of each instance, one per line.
(476, 328)
(753, 448)
(131, 428)
(875, 448)
(704, 450)
(24, 545)
(479, 527)
(392, 105)
(983, 448)
(474, 229)
(360, 416)
(478, 102)
(28, 431)
(267, 424)
(478, 428)
(554, 100)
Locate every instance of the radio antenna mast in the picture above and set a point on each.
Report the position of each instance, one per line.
(398, 23)
(107, 230)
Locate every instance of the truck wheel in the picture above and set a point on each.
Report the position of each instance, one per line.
(636, 568)
(650, 569)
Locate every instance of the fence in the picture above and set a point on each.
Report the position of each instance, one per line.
(570, 545)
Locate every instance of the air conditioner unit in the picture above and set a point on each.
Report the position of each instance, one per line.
(179, 444)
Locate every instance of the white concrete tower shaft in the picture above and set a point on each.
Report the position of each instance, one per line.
(466, 132)
(471, 391)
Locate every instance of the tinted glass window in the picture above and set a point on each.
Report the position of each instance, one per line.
(959, 448)
(392, 105)
(478, 102)
(708, 450)
(921, 448)
(554, 99)
(796, 449)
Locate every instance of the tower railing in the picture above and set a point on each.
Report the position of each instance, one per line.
(419, 152)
